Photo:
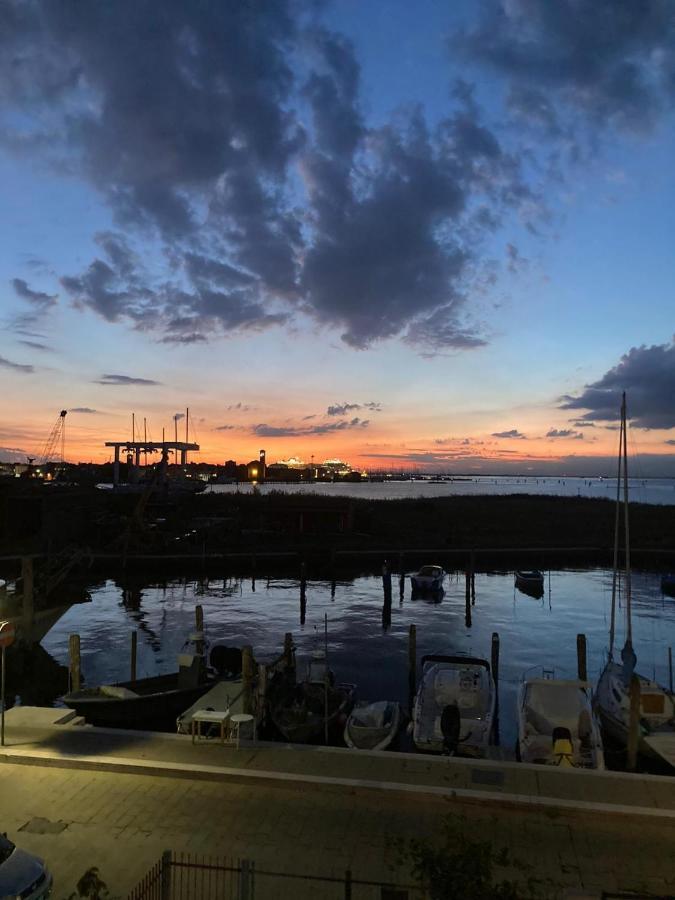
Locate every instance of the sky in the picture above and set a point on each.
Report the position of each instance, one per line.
(412, 236)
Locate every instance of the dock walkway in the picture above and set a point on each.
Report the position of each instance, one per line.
(591, 831)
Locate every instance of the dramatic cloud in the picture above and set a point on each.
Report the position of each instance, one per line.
(16, 367)
(272, 431)
(224, 428)
(84, 409)
(37, 298)
(670, 442)
(12, 454)
(121, 380)
(564, 433)
(192, 123)
(610, 60)
(647, 374)
(513, 433)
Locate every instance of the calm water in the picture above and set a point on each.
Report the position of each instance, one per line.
(363, 646)
(659, 491)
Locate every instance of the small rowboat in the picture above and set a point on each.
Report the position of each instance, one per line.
(373, 726)
(530, 583)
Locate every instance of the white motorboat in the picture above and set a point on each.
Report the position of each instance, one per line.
(373, 726)
(556, 724)
(429, 578)
(656, 736)
(454, 706)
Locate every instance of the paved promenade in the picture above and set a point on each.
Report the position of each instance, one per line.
(121, 798)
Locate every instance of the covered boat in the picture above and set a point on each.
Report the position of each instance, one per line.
(454, 706)
(556, 724)
(530, 582)
(373, 726)
(305, 711)
(429, 578)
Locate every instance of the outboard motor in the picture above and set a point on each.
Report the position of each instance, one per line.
(450, 727)
(563, 750)
(226, 660)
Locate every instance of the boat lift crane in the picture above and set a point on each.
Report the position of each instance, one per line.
(56, 436)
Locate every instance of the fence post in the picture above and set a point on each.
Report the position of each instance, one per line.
(245, 880)
(348, 884)
(166, 875)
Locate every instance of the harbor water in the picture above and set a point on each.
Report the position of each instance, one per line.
(367, 639)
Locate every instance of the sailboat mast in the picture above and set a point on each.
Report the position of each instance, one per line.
(615, 572)
(629, 629)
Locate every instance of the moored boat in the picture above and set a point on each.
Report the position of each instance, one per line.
(373, 726)
(530, 582)
(612, 700)
(306, 711)
(428, 578)
(146, 703)
(556, 724)
(454, 706)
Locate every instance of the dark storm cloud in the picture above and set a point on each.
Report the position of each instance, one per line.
(84, 409)
(671, 442)
(16, 367)
(513, 433)
(611, 60)
(37, 298)
(564, 433)
(272, 431)
(121, 380)
(192, 122)
(647, 374)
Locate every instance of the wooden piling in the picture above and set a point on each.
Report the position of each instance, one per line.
(386, 581)
(412, 665)
(199, 617)
(633, 724)
(495, 658)
(303, 577)
(261, 704)
(582, 670)
(27, 598)
(288, 651)
(467, 609)
(472, 568)
(74, 661)
(247, 677)
(134, 647)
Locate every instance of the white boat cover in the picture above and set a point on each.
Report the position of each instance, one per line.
(555, 704)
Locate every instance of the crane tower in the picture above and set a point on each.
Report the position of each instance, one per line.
(57, 436)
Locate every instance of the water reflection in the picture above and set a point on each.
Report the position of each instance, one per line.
(368, 634)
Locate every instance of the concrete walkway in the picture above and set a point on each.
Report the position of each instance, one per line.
(315, 810)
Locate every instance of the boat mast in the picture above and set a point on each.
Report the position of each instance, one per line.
(629, 629)
(615, 573)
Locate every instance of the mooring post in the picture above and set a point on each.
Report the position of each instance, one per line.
(582, 671)
(473, 576)
(633, 724)
(495, 659)
(412, 665)
(303, 577)
(199, 629)
(348, 885)
(333, 577)
(262, 694)
(670, 669)
(134, 646)
(247, 677)
(28, 603)
(74, 657)
(386, 581)
(289, 660)
(253, 571)
(467, 611)
(165, 887)
(401, 577)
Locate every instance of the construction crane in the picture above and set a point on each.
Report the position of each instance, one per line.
(56, 436)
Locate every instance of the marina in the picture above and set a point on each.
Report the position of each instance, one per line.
(368, 636)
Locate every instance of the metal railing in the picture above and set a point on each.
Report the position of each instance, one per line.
(183, 876)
